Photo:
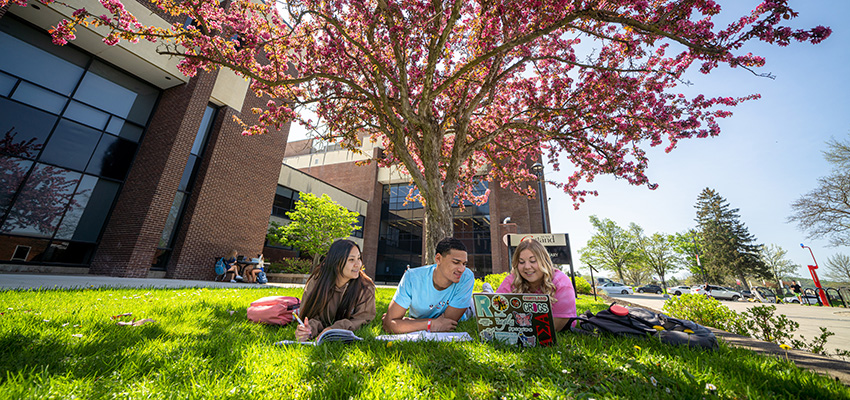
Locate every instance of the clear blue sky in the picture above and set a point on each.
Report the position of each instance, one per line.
(767, 155)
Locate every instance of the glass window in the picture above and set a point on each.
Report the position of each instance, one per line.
(35, 64)
(108, 89)
(358, 226)
(42, 201)
(24, 128)
(96, 210)
(187, 172)
(82, 113)
(41, 98)
(71, 145)
(7, 83)
(12, 173)
(112, 157)
(67, 252)
(284, 201)
(126, 130)
(76, 207)
(11, 245)
(200, 137)
(176, 206)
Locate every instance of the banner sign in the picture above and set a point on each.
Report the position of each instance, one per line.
(557, 245)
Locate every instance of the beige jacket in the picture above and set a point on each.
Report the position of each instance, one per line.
(364, 310)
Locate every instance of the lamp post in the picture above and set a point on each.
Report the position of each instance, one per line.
(537, 169)
(812, 268)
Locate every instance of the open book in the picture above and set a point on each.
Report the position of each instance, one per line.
(427, 336)
(330, 335)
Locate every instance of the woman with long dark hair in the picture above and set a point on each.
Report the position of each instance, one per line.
(338, 294)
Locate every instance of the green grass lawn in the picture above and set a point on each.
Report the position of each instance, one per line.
(64, 344)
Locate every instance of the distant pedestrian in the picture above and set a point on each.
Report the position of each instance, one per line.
(797, 291)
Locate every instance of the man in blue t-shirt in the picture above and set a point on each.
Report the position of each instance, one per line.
(435, 295)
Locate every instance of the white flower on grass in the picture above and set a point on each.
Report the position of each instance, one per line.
(654, 382)
(709, 386)
(667, 390)
(563, 371)
(77, 335)
(46, 320)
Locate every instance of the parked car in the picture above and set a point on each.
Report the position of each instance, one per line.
(806, 299)
(718, 292)
(616, 288)
(789, 297)
(747, 294)
(679, 290)
(650, 289)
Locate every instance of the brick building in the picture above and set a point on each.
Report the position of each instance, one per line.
(113, 162)
(392, 230)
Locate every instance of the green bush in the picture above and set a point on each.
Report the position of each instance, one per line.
(290, 266)
(495, 280)
(583, 286)
(705, 311)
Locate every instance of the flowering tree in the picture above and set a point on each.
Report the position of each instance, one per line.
(46, 194)
(457, 88)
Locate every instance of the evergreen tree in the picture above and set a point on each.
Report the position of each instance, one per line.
(727, 245)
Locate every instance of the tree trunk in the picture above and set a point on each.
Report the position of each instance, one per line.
(438, 225)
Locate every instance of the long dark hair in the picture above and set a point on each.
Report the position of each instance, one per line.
(316, 304)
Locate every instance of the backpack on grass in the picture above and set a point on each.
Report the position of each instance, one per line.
(640, 322)
(273, 310)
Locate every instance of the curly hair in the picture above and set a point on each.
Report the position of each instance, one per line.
(520, 285)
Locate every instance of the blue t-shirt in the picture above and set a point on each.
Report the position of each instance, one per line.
(416, 292)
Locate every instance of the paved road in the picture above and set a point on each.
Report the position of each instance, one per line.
(810, 318)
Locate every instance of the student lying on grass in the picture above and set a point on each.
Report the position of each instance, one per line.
(532, 272)
(437, 295)
(338, 295)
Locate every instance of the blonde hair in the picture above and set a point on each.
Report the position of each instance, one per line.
(520, 285)
(232, 254)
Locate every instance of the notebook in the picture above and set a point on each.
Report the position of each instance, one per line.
(523, 319)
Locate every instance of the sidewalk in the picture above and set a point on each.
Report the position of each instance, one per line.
(35, 281)
(833, 367)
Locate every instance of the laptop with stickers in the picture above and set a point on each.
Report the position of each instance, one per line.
(523, 319)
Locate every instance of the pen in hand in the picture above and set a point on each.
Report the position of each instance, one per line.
(300, 322)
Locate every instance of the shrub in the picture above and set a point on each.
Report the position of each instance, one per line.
(583, 286)
(763, 325)
(705, 311)
(758, 322)
(495, 280)
(291, 266)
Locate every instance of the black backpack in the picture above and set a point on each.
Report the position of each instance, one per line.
(640, 322)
